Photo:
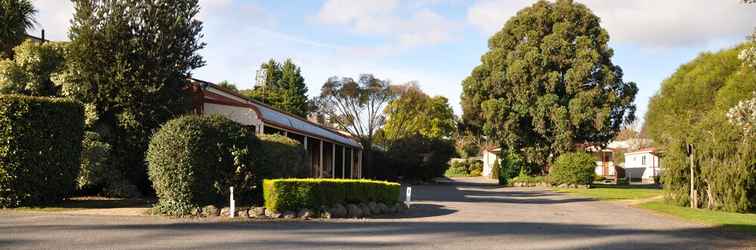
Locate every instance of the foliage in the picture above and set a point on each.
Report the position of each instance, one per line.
(467, 167)
(420, 158)
(355, 106)
(40, 148)
(283, 87)
(527, 179)
(194, 160)
(97, 176)
(130, 60)
(547, 83)
(573, 168)
(414, 112)
(16, 17)
(228, 86)
(278, 156)
(33, 69)
(295, 194)
(743, 115)
(691, 108)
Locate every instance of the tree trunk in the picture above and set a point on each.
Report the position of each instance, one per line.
(693, 193)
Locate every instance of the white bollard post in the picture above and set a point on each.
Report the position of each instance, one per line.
(409, 197)
(232, 211)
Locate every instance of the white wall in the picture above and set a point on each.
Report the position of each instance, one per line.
(488, 160)
(645, 164)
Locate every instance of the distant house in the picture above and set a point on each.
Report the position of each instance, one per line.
(489, 157)
(643, 164)
(329, 153)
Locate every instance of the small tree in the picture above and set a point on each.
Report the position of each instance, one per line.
(16, 17)
(282, 87)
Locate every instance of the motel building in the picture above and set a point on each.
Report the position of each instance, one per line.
(329, 153)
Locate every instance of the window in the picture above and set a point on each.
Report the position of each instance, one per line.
(643, 160)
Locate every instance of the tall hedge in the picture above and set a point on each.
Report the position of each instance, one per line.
(277, 156)
(40, 148)
(193, 160)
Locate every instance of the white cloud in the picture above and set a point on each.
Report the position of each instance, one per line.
(647, 23)
(383, 19)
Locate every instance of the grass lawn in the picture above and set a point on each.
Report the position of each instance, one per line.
(80, 203)
(738, 221)
(614, 192)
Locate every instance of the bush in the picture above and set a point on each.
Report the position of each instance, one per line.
(40, 149)
(295, 194)
(526, 179)
(94, 162)
(279, 156)
(456, 169)
(193, 160)
(573, 168)
(420, 158)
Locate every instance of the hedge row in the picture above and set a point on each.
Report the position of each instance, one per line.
(40, 149)
(295, 194)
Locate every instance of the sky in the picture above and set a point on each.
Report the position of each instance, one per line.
(434, 42)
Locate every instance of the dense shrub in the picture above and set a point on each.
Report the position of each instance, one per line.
(194, 160)
(573, 168)
(467, 167)
(40, 149)
(294, 194)
(725, 176)
(530, 180)
(420, 158)
(94, 162)
(278, 156)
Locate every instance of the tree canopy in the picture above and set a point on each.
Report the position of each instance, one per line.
(131, 60)
(282, 87)
(16, 17)
(548, 83)
(416, 113)
(691, 108)
(34, 69)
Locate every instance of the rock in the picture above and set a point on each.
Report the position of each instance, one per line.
(374, 208)
(563, 186)
(289, 215)
(210, 210)
(196, 212)
(353, 211)
(383, 208)
(271, 214)
(242, 212)
(338, 211)
(365, 209)
(326, 215)
(225, 212)
(305, 214)
(257, 212)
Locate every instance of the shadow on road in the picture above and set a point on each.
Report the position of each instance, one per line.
(321, 234)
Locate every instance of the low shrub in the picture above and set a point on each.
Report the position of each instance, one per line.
(526, 179)
(295, 194)
(40, 149)
(573, 168)
(193, 160)
(467, 167)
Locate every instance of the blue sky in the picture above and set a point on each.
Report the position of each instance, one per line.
(434, 42)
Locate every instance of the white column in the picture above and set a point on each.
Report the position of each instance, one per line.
(320, 161)
(351, 163)
(333, 160)
(343, 162)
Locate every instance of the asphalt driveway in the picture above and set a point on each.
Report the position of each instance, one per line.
(466, 214)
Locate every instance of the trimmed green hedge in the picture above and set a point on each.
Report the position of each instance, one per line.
(193, 160)
(295, 194)
(278, 156)
(40, 149)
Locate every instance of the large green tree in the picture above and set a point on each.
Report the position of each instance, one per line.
(416, 113)
(16, 17)
(691, 108)
(34, 69)
(131, 60)
(548, 83)
(282, 86)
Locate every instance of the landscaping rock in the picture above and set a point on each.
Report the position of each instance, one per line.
(289, 215)
(326, 214)
(242, 212)
(257, 212)
(338, 211)
(305, 214)
(210, 210)
(365, 209)
(271, 214)
(383, 208)
(563, 186)
(374, 208)
(225, 212)
(354, 211)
